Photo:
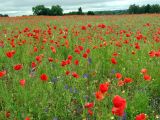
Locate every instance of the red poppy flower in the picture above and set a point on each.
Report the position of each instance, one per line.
(35, 49)
(113, 60)
(80, 47)
(68, 61)
(99, 95)
(139, 37)
(63, 63)
(7, 114)
(128, 80)
(53, 49)
(17, 67)
(2, 73)
(157, 54)
(143, 71)
(117, 111)
(118, 101)
(76, 62)
(90, 112)
(76, 50)
(88, 51)
(128, 35)
(83, 28)
(55, 27)
(67, 72)
(50, 59)
(104, 87)
(33, 64)
(120, 83)
(118, 75)
(13, 52)
(70, 57)
(38, 58)
(115, 54)
(89, 105)
(9, 54)
(152, 53)
(141, 116)
(147, 77)
(119, 105)
(1, 44)
(89, 25)
(22, 82)
(74, 74)
(44, 77)
(27, 118)
(137, 46)
(85, 55)
(102, 25)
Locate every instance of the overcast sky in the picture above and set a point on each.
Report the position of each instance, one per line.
(24, 7)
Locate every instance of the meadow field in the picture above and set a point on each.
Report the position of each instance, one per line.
(80, 67)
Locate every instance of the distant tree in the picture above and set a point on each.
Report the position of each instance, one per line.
(142, 9)
(39, 10)
(56, 10)
(42, 10)
(5, 15)
(133, 9)
(155, 8)
(90, 13)
(147, 8)
(80, 11)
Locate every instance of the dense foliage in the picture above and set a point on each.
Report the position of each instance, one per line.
(42, 10)
(90, 13)
(136, 9)
(5, 15)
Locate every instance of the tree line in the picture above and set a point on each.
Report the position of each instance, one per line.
(42, 10)
(56, 10)
(133, 9)
(5, 15)
(136, 9)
